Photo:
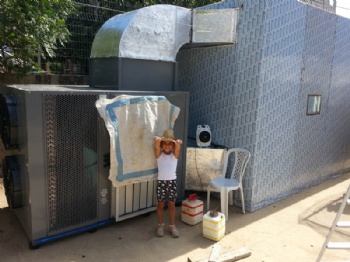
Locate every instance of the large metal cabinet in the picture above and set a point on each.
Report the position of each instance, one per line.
(57, 181)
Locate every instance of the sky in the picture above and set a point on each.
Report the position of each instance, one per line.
(343, 8)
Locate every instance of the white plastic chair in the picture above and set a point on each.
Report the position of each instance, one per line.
(226, 185)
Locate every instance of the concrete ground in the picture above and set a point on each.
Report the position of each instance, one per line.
(293, 229)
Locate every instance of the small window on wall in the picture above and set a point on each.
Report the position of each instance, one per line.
(313, 104)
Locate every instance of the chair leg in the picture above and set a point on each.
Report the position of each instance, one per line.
(227, 204)
(208, 198)
(230, 198)
(242, 200)
(224, 204)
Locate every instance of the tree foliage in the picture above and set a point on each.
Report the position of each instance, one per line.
(39, 28)
(28, 27)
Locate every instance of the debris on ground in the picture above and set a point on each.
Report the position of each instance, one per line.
(229, 256)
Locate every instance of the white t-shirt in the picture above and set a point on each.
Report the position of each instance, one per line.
(167, 167)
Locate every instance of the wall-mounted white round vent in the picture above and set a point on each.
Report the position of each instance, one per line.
(203, 136)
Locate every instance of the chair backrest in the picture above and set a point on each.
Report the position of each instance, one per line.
(241, 159)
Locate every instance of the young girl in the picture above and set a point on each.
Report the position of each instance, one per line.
(167, 151)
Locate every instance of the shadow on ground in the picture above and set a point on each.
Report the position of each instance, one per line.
(134, 239)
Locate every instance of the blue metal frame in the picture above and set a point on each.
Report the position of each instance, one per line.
(72, 232)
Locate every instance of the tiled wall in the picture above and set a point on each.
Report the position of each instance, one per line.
(339, 113)
(279, 108)
(253, 95)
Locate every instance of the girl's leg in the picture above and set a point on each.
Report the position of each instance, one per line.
(171, 200)
(171, 209)
(160, 229)
(160, 208)
(172, 228)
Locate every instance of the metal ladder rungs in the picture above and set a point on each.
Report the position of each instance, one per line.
(338, 245)
(343, 224)
(337, 223)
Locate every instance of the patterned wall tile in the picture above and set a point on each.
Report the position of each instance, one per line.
(279, 86)
(253, 95)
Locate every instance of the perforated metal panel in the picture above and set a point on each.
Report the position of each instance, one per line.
(64, 180)
(71, 139)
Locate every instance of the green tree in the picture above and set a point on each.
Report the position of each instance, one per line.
(29, 27)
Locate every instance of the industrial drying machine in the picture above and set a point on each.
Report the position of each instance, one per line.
(56, 178)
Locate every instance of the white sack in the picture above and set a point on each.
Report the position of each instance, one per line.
(132, 123)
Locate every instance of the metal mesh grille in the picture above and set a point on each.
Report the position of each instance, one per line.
(71, 139)
(83, 26)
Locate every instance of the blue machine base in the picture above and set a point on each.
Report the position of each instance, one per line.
(72, 232)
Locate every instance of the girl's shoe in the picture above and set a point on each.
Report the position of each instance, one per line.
(160, 231)
(174, 232)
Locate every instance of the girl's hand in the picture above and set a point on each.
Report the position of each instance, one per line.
(157, 138)
(178, 141)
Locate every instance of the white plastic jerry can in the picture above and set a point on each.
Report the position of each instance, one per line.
(192, 210)
(214, 227)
